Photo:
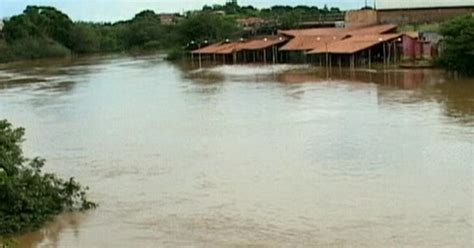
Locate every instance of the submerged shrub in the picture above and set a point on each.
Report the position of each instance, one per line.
(29, 197)
(458, 48)
(38, 48)
(175, 54)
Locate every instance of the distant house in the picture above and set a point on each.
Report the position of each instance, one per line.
(170, 18)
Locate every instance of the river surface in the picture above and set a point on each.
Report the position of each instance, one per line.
(249, 156)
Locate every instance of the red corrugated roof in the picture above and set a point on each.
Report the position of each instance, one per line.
(209, 49)
(231, 47)
(312, 39)
(340, 40)
(228, 48)
(377, 29)
(315, 32)
(306, 43)
(354, 44)
(263, 43)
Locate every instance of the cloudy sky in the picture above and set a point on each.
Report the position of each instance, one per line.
(113, 10)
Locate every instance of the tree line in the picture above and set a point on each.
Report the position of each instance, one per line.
(42, 31)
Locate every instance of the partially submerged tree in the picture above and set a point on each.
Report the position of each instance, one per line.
(458, 46)
(29, 197)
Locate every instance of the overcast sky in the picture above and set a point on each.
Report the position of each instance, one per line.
(113, 10)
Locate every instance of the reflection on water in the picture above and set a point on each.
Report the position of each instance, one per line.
(431, 85)
(262, 156)
(49, 236)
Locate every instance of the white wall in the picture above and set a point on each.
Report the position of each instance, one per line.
(398, 4)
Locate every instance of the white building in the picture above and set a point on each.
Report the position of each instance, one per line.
(410, 4)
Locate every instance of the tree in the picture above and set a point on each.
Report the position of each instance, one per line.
(85, 39)
(145, 28)
(206, 8)
(458, 45)
(207, 26)
(28, 197)
(40, 22)
(289, 20)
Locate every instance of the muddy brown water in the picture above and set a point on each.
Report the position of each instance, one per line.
(249, 156)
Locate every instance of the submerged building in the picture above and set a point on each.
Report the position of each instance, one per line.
(352, 46)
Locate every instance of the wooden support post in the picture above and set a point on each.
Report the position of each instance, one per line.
(384, 56)
(394, 52)
(234, 55)
(265, 56)
(370, 58)
(327, 58)
(254, 56)
(200, 61)
(352, 61)
(223, 58)
(389, 45)
(273, 54)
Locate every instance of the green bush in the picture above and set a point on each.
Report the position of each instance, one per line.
(458, 46)
(175, 54)
(29, 197)
(38, 48)
(152, 45)
(32, 48)
(6, 243)
(5, 52)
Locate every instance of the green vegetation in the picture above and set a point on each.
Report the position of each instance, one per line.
(277, 12)
(208, 26)
(29, 197)
(432, 27)
(458, 47)
(42, 31)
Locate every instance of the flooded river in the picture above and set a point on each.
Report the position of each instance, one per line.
(249, 156)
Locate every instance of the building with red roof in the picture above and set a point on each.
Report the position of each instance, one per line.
(343, 46)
